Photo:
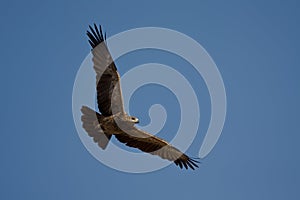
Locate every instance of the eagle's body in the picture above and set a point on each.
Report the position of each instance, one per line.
(113, 120)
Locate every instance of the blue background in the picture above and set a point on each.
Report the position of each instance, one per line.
(254, 43)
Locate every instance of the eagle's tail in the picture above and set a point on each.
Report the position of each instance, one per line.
(91, 122)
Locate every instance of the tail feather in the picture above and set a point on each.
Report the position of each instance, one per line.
(91, 124)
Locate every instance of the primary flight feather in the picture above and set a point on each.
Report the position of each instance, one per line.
(113, 120)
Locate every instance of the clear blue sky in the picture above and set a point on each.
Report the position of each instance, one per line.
(256, 47)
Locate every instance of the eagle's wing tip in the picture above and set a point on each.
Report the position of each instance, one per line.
(95, 35)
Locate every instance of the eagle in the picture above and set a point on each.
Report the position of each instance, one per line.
(113, 120)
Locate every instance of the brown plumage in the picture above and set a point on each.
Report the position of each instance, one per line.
(113, 120)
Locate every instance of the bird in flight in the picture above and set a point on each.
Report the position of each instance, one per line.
(113, 120)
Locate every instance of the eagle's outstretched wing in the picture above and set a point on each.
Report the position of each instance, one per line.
(109, 95)
(156, 146)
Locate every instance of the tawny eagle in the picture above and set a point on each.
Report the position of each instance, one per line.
(113, 120)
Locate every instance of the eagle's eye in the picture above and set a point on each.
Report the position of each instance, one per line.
(134, 119)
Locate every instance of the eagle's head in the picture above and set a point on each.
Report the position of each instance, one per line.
(124, 119)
